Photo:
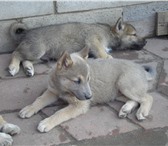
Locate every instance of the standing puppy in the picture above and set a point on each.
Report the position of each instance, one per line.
(6, 131)
(51, 41)
(83, 83)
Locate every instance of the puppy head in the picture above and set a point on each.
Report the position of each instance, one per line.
(73, 74)
(128, 37)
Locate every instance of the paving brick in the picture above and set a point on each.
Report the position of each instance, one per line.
(99, 121)
(137, 56)
(158, 47)
(163, 81)
(158, 114)
(116, 105)
(69, 6)
(55, 107)
(19, 9)
(30, 136)
(17, 93)
(39, 68)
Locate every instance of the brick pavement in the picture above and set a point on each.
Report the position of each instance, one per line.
(101, 121)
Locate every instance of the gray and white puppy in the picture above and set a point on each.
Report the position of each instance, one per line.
(51, 41)
(82, 83)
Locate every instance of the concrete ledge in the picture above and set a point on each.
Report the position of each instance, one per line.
(145, 27)
(6, 43)
(19, 9)
(106, 16)
(143, 11)
(70, 6)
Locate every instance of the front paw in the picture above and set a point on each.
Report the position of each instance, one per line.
(45, 125)
(13, 70)
(29, 71)
(27, 112)
(5, 139)
(10, 129)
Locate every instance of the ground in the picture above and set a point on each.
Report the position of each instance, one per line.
(101, 125)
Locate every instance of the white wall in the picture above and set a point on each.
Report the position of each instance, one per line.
(35, 14)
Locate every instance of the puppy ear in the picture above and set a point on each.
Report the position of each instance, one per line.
(64, 61)
(119, 26)
(84, 53)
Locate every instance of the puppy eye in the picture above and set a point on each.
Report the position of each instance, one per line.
(134, 34)
(77, 81)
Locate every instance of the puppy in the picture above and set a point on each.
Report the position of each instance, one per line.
(82, 83)
(49, 42)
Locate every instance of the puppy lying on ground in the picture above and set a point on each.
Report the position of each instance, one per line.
(49, 42)
(6, 131)
(83, 83)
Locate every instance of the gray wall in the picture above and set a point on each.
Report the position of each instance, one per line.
(35, 14)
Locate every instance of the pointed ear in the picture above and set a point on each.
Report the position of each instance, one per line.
(64, 61)
(119, 26)
(84, 53)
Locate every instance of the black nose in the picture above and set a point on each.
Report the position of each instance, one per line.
(88, 96)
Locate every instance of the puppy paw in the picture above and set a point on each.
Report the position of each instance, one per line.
(109, 56)
(13, 70)
(10, 129)
(27, 112)
(5, 139)
(29, 71)
(140, 117)
(141, 114)
(124, 111)
(45, 125)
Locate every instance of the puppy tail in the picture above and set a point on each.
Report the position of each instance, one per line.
(150, 72)
(17, 30)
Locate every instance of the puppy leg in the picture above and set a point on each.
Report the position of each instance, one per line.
(2, 122)
(46, 99)
(127, 108)
(132, 85)
(145, 101)
(63, 115)
(145, 106)
(14, 65)
(98, 49)
(28, 67)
